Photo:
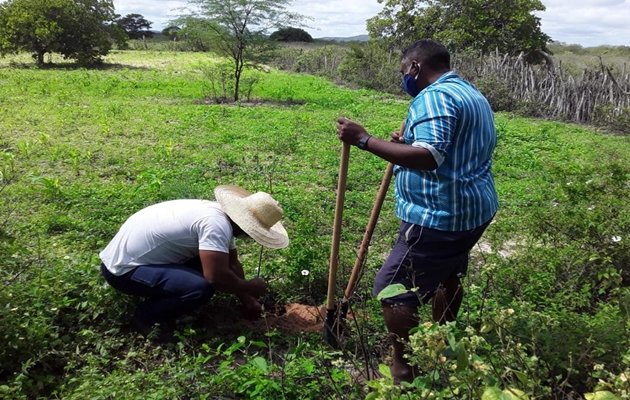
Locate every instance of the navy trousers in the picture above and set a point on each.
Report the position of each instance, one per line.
(169, 291)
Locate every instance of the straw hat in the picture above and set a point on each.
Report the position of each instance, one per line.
(257, 214)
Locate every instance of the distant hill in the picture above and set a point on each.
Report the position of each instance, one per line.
(360, 38)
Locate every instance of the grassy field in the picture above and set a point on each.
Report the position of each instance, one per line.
(82, 149)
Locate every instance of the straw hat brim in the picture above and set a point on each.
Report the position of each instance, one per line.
(231, 199)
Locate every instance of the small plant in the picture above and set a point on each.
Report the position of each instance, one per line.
(164, 151)
(149, 180)
(248, 81)
(51, 186)
(220, 81)
(25, 147)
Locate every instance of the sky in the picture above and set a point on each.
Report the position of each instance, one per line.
(585, 22)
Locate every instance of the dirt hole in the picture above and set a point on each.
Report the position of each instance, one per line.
(289, 318)
(292, 318)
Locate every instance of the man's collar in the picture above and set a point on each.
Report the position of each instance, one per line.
(446, 76)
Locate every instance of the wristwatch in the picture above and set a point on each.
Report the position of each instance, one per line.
(363, 142)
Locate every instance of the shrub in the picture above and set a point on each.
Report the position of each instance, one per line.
(371, 66)
(220, 82)
(291, 35)
(497, 91)
(615, 118)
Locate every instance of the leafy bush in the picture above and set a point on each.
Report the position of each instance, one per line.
(220, 82)
(290, 34)
(321, 61)
(614, 118)
(497, 92)
(371, 66)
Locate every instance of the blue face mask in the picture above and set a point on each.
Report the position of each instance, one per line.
(410, 83)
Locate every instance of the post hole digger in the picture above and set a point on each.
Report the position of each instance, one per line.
(331, 326)
(336, 313)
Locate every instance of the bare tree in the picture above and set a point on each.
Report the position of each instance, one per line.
(239, 29)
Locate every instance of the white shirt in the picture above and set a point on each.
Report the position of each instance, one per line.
(171, 232)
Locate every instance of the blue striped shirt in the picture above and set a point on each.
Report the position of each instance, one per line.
(452, 120)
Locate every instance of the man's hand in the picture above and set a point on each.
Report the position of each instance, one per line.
(251, 310)
(256, 287)
(228, 277)
(397, 137)
(349, 131)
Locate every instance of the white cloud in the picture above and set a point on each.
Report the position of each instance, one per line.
(584, 22)
(337, 18)
(587, 22)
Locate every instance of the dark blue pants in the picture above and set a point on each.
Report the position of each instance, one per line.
(423, 258)
(169, 291)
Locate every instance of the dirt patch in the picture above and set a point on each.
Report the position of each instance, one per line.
(292, 318)
(253, 103)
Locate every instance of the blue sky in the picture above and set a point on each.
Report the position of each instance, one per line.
(584, 22)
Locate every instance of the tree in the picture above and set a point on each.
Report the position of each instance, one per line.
(289, 34)
(239, 29)
(509, 26)
(135, 25)
(171, 31)
(30, 25)
(89, 31)
(78, 29)
(197, 32)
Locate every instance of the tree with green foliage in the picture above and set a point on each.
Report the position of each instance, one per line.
(290, 34)
(171, 31)
(135, 25)
(90, 31)
(29, 25)
(239, 29)
(509, 26)
(196, 32)
(81, 30)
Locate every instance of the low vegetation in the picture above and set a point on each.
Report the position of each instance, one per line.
(546, 312)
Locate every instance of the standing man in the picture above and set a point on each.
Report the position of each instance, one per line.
(445, 193)
(175, 254)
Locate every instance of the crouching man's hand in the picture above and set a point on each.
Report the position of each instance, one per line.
(251, 310)
(256, 287)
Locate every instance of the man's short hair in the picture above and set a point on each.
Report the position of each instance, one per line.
(429, 52)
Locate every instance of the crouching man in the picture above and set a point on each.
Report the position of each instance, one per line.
(177, 253)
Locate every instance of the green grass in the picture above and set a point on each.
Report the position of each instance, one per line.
(82, 149)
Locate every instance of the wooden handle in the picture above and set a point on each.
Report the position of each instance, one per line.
(369, 230)
(334, 252)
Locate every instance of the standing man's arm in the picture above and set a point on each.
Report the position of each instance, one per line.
(405, 156)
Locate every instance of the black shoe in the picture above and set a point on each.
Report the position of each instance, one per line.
(161, 332)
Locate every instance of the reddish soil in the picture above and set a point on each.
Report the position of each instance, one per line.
(290, 318)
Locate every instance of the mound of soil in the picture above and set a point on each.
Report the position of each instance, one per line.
(290, 318)
(293, 318)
